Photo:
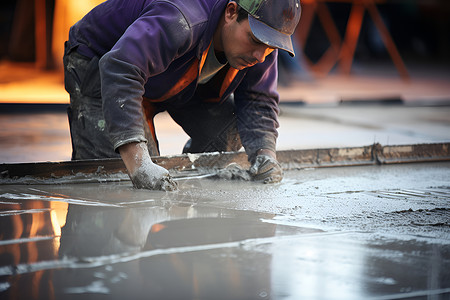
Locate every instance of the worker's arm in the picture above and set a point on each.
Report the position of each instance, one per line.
(146, 49)
(257, 109)
(142, 171)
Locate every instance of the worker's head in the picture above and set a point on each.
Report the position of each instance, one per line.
(254, 28)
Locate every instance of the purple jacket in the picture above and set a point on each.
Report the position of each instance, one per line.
(145, 47)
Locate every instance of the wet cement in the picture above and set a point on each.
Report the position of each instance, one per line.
(373, 232)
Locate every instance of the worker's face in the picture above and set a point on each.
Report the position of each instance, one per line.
(242, 49)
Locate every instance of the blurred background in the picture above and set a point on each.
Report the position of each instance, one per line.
(365, 71)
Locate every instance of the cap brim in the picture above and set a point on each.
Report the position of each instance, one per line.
(270, 36)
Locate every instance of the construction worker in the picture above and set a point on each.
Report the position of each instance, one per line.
(211, 64)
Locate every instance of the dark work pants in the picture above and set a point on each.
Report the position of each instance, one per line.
(211, 127)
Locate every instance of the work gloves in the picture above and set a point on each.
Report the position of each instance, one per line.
(266, 169)
(147, 175)
(153, 177)
(144, 173)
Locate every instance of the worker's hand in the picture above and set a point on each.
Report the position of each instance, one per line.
(266, 167)
(143, 172)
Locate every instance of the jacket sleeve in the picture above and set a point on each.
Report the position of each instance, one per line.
(148, 46)
(256, 101)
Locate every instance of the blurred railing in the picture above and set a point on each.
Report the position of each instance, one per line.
(342, 50)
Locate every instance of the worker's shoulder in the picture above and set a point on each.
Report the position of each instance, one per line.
(196, 12)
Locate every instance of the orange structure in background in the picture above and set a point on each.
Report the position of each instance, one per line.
(67, 13)
(41, 81)
(341, 52)
(25, 83)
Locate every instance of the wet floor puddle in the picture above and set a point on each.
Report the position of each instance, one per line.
(45, 231)
(109, 241)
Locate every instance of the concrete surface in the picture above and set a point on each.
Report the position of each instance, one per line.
(429, 83)
(310, 127)
(378, 232)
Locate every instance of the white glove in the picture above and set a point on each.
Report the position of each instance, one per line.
(151, 176)
(142, 171)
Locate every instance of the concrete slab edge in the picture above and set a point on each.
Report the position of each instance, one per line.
(194, 164)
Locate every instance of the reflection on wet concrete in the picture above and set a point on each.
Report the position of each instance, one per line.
(343, 233)
(34, 136)
(30, 233)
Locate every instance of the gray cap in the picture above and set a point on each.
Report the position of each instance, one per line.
(273, 21)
